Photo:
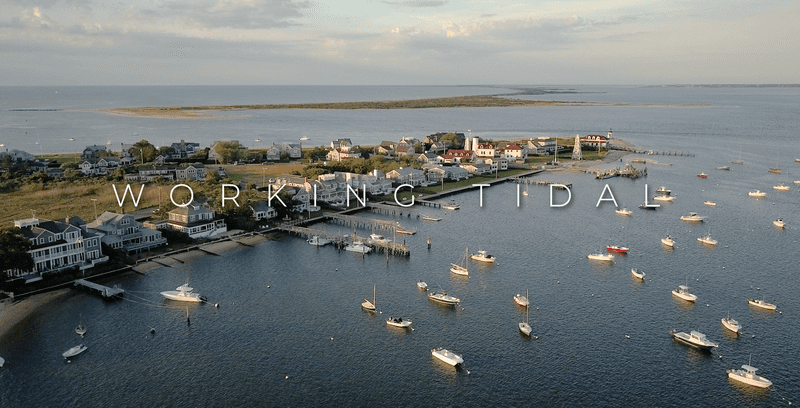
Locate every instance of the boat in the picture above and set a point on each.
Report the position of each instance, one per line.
(399, 322)
(797, 160)
(668, 241)
(522, 300)
(683, 292)
(81, 329)
(358, 246)
(525, 326)
(184, 293)
(747, 375)
(483, 256)
(664, 198)
(461, 270)
(702, 175)
(601, 257)
(74, 351)
(694, 339)
(72, 139)
(692, 217)
(731, 324)
(444, 298)
(761, 303)
(779, 223)
(796, 182)
(405, 231)
(447, 356)
(663, 191)
(2, 361)
(377, 238)
(304, 138)
(422, 285)
(617, 249)
(451, 206)
(318, 241)
(370, 306)
(776, 171)
(737, 162)
(757, 193)
(624, 211)
(710, 203)
(724, 168)
(707, 240)
(781, 187)
(637, 274)
(429, 218)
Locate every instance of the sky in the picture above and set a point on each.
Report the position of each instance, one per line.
(398, 42)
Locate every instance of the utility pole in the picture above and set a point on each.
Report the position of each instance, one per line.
(159, 197)
(94, 200)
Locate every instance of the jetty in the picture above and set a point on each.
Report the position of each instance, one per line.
(104, 291)
(629, 172)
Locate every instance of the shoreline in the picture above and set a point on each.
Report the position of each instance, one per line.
(13, 313)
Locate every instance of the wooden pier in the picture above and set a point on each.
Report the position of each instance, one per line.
(341, 241)
(104, 291)
(538, 182)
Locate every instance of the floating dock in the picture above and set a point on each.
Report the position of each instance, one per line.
(104, 291)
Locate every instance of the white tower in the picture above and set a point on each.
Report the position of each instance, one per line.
(466, 143)
(576, 151)
(475, 143)
(609, 133)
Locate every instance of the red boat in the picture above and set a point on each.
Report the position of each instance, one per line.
(702, 175)
(617, 249)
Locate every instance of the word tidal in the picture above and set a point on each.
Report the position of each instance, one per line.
(606, 195)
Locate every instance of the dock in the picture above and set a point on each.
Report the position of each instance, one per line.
(629, 172)
(104, 291)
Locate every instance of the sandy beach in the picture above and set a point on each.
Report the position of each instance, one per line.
(13, 313)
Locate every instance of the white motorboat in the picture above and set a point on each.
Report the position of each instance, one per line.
(731, 324)
(747, 375)
(638, 274)
(81, 329)
(444, 298)
(664, 198)
(761, 304)
(422, 285)
(451, 206)
(601, 257)
(724, 168)
(447, 356)
(663, 191)
(694, 339)
(522, 300)
(304, 138)
(779, 223)
(483, 256)
(668, 241)
(757, 193)
(683, 292)
(461, 270)
(797, 182)
(358, 247)
(370, 306)
(183, 293)
(74, 351)
(710, 203)
(781, 187)
(430, 218)
(2, 361)
(398, 322)
(624, 211)
(318, 241)
(707, 240)
(693, 217)
(379, 239)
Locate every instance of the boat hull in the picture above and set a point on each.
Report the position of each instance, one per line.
(444, 299)
(525, 329)
(685, 296)
(521, 300)
(755, 381)
(731, 325)
(762, 305)
(447, 356)
(401, 324)
(74, 351)
(687, 340)
(174, 295)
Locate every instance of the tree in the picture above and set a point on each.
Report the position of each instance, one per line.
(14, 254)
(229, 151)
(166, 151)
(143, 151)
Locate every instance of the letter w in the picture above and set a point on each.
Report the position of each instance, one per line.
(125, 194)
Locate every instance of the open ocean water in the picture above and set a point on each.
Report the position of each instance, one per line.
(290, 331)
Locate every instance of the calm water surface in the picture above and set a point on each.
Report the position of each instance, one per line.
(288, 309)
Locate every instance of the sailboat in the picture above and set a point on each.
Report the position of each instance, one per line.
(367, 305)
(525, 193)
(525, 326)
(739, 160)
(461, 270)
(81, 329)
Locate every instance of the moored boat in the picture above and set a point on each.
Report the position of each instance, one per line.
(731, 324)
(757, 193)
(447, 356)
(694, 339)
(624, 211)
(779, 223)
(776, 171)
(710, 203)
(521, 300)
(430, 218)
(707, 240)
(451, 206)
(183, 293)
(692, 217)
(459, 269)
(617, 249)
(405, 231)
(668, 241)
(483, 256)
(724, 168)
(444, 298)
(398, 322)
(683, 292)
(601, 257)
(781, 187)
(638, 274)
(370, 306)
(702, 175)
(358, 247)
(760, 303)
(422, 285)
(664, 198)
(663, 191)
(747, 375)
(74, 351)
(318, 241)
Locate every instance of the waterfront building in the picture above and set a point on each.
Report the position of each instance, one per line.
(407, 175)
(184, 150)
(197, 219)
(262, 210)
(122, 231)
(485, 150)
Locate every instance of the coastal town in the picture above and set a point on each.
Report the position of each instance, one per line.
(327, 179)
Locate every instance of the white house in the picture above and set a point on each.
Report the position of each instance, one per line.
(197, 220)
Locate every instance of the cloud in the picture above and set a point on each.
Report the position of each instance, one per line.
(416, 3)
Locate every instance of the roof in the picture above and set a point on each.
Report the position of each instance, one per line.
(106, 218)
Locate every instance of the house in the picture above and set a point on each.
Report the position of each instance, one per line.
(196, 219)
(94, 151)
(122, 231)
(184, 150)
(595, 141)
(342, 144)
(477, 169)
(453, 173)
(408, 175)
(194, 171)
(94, 166)
(457, 156)
(262, 210)
(18, 156)
(152, 172)
(533, 147)
(428, 157)
(512, 151)
(497, 163)
(438, 147)
(485, 150)
(339, 154)
(548, 144)
(59, 245)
